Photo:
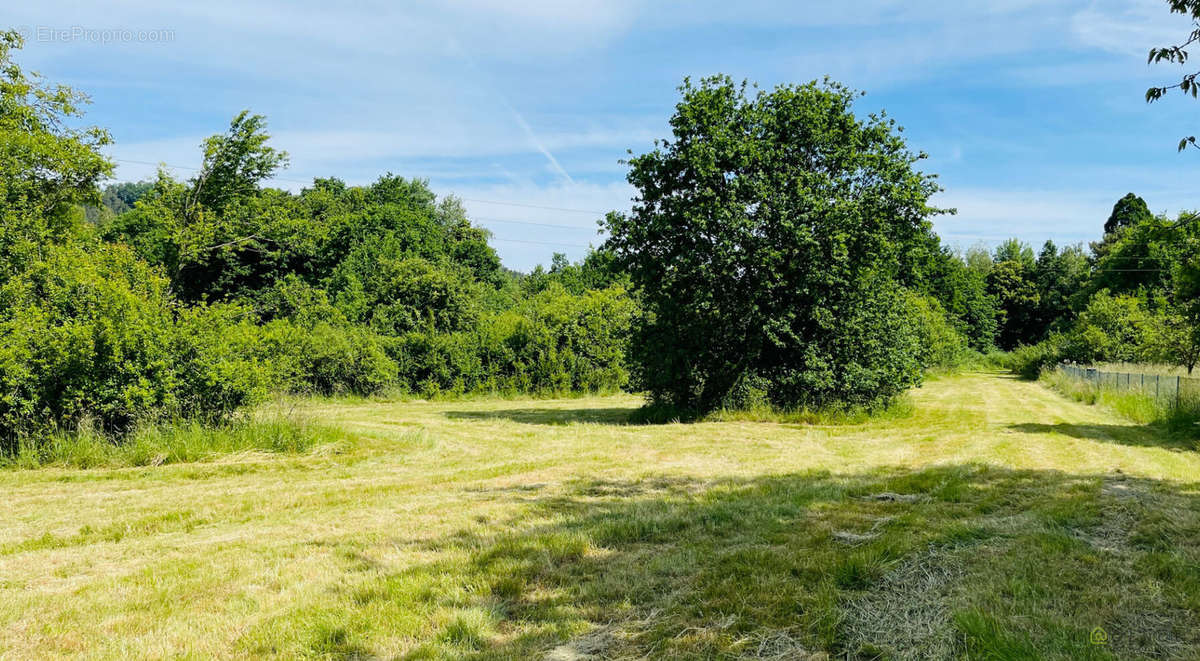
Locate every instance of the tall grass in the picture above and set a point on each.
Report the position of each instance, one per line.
(169, 443)
(1145, 368)
(1176, 415)
(759, 410)
(898, 408)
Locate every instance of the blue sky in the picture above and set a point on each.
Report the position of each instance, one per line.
(1031, 110)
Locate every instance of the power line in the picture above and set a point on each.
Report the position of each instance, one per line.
(529, 222)
(534, 206)
(543, 243)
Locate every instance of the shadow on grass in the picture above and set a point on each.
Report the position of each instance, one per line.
(950, 562)
(551, 416)
(1152, 435)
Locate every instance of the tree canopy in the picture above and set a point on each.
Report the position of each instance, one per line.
(767, 241)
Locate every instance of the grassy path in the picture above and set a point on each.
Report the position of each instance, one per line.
(998, 520)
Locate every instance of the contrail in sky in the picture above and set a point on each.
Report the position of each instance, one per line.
(537, 142)
(529, 133)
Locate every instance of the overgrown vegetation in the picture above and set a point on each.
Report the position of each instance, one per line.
(1177, 415)
(157, 302)
(186, 302)
(88, 446)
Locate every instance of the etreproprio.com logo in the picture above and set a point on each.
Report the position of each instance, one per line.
(79, 33)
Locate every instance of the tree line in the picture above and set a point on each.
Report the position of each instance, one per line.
(779, 252)
(196, 298)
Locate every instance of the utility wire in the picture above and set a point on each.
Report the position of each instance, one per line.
(543, 243)
(528, 222)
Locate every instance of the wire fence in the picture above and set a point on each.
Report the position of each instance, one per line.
(1171, 391)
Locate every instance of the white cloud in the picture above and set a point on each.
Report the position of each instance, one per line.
(1128, 27)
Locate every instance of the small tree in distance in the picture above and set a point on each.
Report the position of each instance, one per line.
(766, 242)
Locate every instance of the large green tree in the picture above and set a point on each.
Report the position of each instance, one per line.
(1011, 283)
(1061, 276)
(1128, 211)
(766, 241)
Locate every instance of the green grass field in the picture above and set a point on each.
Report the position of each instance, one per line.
(998, 520)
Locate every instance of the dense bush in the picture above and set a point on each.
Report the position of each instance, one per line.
(553, 342)
(1110, 329)
(943, 345)
(94, 334)
(1030, 360)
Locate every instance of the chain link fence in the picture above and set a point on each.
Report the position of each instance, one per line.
(1170, 391)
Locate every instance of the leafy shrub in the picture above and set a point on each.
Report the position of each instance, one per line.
(564, 342)
(1030, 360)
(326, 358)
(866, 353)
(553, 342)
(942, 345)
(86, 334)
(218, 366)
(1111, 328)
(433, 363)
(94, 334)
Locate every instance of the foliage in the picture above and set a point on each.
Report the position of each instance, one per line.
(554, 342)
(234, 164)
(765, 244)
(328, 359)
(962, 290)
(1128, 211)
(1179, 334)
(1061, 277)
(1017, 297)
(46, 166)
(1178, 54)
(943, 346)
(1111, 328)
(1137, 260)
(1030, 360)
(94, 335)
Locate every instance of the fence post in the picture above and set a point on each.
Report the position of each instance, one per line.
(1178, 382)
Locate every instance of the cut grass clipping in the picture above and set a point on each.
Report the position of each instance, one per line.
(998, 520)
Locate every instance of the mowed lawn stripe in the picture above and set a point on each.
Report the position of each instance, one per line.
(508, 529)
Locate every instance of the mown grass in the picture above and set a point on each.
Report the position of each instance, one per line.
(995, 520)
